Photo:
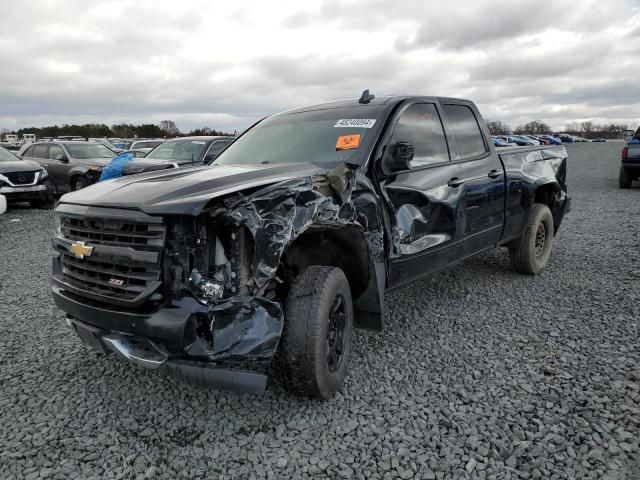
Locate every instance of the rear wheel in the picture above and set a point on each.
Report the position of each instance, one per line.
(624, 179)
(533, 249)
(316, 343)
(78, 183)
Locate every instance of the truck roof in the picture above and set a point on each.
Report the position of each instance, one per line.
(389, 100)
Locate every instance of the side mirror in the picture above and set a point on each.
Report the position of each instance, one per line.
(209, 157)
(402, 156)
(61, 157)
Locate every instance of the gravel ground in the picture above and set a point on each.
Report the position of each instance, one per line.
(481, 373)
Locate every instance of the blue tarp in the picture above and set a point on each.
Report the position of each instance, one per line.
(115, 167)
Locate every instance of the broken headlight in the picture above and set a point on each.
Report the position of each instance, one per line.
(209, 288)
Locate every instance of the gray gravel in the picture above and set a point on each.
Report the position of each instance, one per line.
(481, 373)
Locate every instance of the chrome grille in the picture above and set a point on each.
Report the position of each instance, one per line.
(106, 273)
(21, 178)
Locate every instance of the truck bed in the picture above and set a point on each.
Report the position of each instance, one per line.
(551, 151)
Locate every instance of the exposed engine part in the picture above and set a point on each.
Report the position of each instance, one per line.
(210, 289)
(240, 261)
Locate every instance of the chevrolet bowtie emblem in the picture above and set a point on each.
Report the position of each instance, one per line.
(80, 250)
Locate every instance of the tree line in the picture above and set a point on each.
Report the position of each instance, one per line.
(166, 129)
(587, 129)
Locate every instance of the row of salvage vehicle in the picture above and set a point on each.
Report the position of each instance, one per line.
(43, 170)
(274, 253)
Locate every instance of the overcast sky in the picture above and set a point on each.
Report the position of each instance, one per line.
(226, 64)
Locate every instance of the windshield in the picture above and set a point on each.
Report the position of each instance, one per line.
(321, 136)
(89, 150)
(180, 151)
(7, 156)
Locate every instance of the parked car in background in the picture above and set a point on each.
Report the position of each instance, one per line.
(630, 161)
(190, 150)
(24, 181)
(146, 145)
(532, 138)
(28, 138)
(73, 165)
(119, 143)
(566, 138)
(523, 141)
(138, 153)
(106, 143)
(510, 141)
(551, 139)
(499, 143)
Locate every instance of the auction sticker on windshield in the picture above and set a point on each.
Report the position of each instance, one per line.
(355, 122)
(347, 142)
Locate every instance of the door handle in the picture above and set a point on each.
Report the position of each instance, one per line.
(455, 182)
(494, 174)
(46, 165)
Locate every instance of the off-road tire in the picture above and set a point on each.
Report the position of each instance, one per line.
(305, 345)
(78, 183)
(624, 179)
(531, 256)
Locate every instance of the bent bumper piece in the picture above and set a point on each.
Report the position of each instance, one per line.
(147, 354)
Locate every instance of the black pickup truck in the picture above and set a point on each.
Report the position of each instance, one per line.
(270, 256)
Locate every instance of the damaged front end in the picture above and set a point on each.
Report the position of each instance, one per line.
(201, 296)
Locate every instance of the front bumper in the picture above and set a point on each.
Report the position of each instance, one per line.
(147, 354)
(242, 333)
(23, 194)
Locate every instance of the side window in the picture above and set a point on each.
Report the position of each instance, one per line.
(29, 152)
(217, 146)
(55, 152)
(142, 145)
(40, 151)
(420, 126)
(464, 123)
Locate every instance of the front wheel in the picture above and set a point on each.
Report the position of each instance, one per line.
(533, 249)
(624, 179)
(316, 343)
(78, 183)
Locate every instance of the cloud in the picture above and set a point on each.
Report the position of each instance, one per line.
(201, 64)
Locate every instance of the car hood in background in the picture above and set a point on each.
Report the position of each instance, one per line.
(19, 166)
(184, 191)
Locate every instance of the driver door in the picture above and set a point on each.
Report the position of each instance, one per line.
(424, 197)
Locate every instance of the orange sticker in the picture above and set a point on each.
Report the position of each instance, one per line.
(347, 142)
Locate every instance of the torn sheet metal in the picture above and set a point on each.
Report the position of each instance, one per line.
(278, 214)
(241, 329)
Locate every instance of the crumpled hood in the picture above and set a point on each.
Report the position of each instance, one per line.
(184, 191)
(19, 166)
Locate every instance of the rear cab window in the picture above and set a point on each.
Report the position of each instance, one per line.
(468, 136)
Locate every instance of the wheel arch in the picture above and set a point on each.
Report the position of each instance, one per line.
(348, 248)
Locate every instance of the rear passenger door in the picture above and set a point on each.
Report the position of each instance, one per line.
(58, 167)
(482, 186)
(423, 198)
(38, 153)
